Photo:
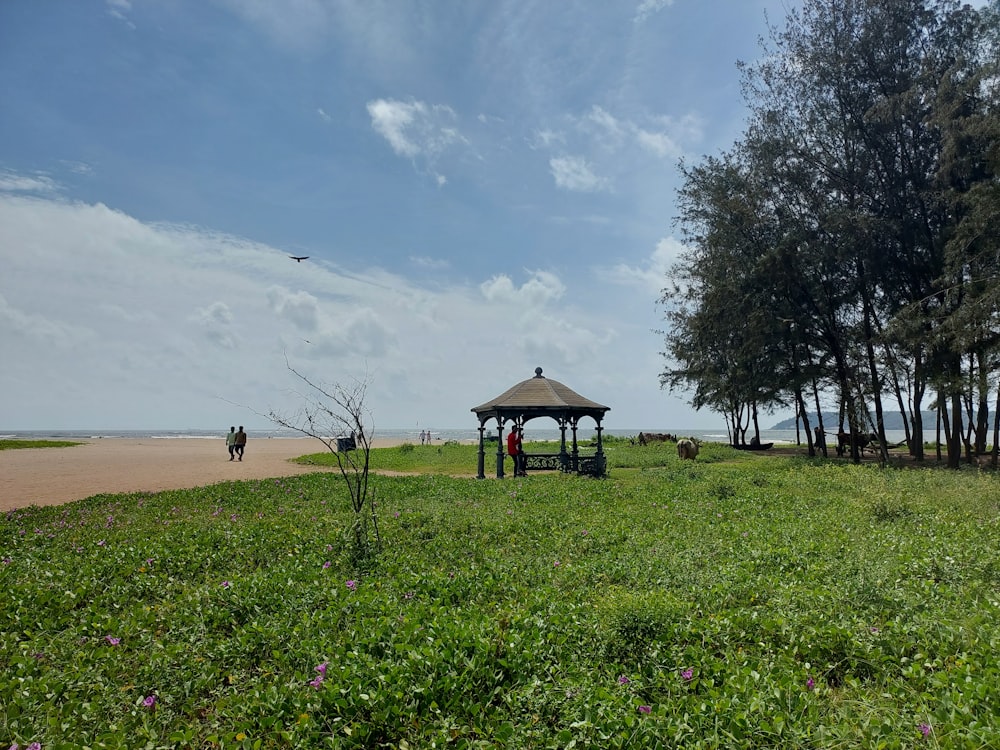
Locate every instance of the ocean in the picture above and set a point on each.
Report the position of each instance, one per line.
(531, 433)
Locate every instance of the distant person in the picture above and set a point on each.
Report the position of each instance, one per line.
(515, 450)
(231, 443)
(422, 438)
(241, 442)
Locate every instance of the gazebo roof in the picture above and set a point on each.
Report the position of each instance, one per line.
(539, 396)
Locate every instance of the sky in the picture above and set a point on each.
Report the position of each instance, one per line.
(482, 187)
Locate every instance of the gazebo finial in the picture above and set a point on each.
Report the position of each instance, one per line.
(538, 372)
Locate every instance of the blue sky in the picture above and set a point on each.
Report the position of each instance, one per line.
(482, 188)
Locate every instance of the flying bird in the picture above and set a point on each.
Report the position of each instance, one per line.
(299, 258)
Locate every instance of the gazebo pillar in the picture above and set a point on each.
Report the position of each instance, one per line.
(499, 448)
(481, 474)
(563, 456)
(576, 451)
(599, 457)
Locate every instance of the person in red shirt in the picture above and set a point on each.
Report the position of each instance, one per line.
(515, 451)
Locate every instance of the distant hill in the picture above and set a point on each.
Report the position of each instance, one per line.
(893, 420)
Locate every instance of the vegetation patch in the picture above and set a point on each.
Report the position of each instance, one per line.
(672, 604)
(13, 444)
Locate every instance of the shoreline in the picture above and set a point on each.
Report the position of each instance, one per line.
(53, 476)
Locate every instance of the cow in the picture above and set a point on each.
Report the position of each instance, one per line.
(655, 437)
(687, 448)
(844, 440)
(645, 438)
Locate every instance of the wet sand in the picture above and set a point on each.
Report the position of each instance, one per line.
(51, 476)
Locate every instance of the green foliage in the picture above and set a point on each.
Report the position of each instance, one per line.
(734, 602)
(6, 445)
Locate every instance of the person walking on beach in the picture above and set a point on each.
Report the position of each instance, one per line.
(241, 442)
(231, 443)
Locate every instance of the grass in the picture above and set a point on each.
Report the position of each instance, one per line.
(737, 601)
(6, 445)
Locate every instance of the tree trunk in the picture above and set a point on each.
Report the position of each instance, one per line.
(955, 444)
(821, 436)
(996, 429)
(917, 441)
(942, 417)
(800, 405)
(982, 415)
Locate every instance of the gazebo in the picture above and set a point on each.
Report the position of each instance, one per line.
(542, 397)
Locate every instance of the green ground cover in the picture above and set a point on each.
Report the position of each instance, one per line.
(737, 601)
(6, 445)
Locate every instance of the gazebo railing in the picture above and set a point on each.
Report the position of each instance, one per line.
(546, 461)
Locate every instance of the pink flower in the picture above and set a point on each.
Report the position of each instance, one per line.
(810, 684)
(226, 584)
(317, 682)
(645, 709)
(925, 729)
(352, 584)
(112, 640)
(687, 674)
(149, 701)
(321, 668)
(326, 565)
(623, 680)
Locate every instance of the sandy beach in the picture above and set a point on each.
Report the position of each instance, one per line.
(51, 476)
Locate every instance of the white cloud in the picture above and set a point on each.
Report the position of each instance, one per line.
(118, 9)
(564, 342)
(660, 144)
(648, 8)
(12, 182)
(434, 264)
(414, 128)
(40, 329)
(650, 276)
(216, 321)
(609, 131)
(541, 289)
(323, 115)
(575, 173)
(77, 167)
(116, 323)
(547, 138)
(300, 308)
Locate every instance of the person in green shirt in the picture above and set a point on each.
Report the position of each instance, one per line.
(231, 443)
